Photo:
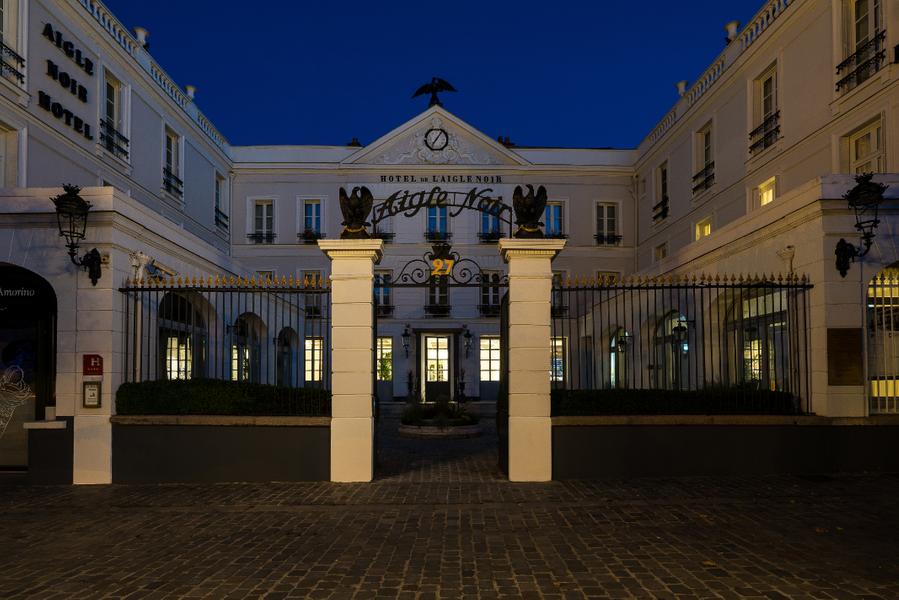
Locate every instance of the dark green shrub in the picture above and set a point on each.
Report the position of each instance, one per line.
(216, 397)
(714, 400)
(443, 413)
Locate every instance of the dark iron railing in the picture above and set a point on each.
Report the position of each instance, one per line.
(310, 236)
(704, 179)
(221, 219)
(861, 64)
(681, 344)
(172, 183)
(437, 310)
(262, 237)
(765, 134)
(883, 343)
(438, 236)
(114, 142)
(555, 235)
(230, 329)
(660, 210)
(607, 239)
(387, 236)
(12, 64)
(385, 310)
(489, 311)
(489, 237)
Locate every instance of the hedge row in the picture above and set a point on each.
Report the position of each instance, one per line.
(216, 397)
(717, 401)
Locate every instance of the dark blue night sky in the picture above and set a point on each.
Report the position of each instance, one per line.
(574, 74)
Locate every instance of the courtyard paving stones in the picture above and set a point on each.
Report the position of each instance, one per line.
(440, 522)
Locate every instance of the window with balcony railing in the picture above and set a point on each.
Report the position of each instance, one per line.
(765, 134)
(12, 65)
(859, 66)
(704, 179)
(113, 140)
(172, 184)
(660, 208)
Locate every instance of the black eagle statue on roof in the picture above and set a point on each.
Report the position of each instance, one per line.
(436, 86)
(528, 210)
(355, 209)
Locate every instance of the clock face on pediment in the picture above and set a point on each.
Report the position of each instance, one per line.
(433, 142)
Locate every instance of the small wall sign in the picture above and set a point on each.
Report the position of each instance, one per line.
(92, 365)
(92, 392)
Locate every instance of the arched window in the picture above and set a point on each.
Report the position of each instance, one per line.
(246, 348)
(286, 373)
(672, 348)
(758, 331)
(182, 338)
(619, 344)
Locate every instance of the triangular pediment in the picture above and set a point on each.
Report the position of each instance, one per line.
(435, 137)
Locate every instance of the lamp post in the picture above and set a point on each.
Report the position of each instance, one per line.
(466, 337)
(71, 217)
(865, 200)
(407, 338)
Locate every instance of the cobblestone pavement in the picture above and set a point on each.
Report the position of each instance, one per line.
(441, 523)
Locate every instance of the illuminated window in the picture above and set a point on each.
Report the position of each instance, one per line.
(866, 149)
(660, 252)
(436, 358)
(558, 359)
(246, 348)
(182, 337)
(489, 358)
(766, 192)
(703, 229)
(385, 359)
(313, 359)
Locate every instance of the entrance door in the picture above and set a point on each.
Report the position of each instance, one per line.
(437, 368)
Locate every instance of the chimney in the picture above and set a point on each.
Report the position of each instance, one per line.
(681, 87)
(141, 34)
(191, 91)
(732, 28)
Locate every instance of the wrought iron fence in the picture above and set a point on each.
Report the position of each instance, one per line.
(883, 343)
(274, 332)
(707, 344)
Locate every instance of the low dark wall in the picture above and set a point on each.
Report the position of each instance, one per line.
(214, 453)
(50, 454)
(601, 451)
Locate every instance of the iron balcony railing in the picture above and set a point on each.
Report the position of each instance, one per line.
(861, 64)
(221, 219)
(438, 236)
(555, 235)
(704, 179)
(489, 237)
(113, 140)
(765, 134)
(262, 237)
(386, 236)
(385, 310)
(437, 310)
(490, 311)
(310, 236)
(12, 65)
(660, 210)
(607, 239)
(172, 183)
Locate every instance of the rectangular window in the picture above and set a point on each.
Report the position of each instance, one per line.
(382, 288)
(660, 209)
(263, 222)
(171, 172)
(385, 359)
(312, 301)
(490, 290)
(552, 220)
(704, 160)
(437, 220)
(558, 306)
(607, 224)
(702, 229)
(13, 64)
(660, 252)
(559, 359)
(766, 116)
(866, 149)
(438, 292)
(864, 39)
(263, 276)
(221, 215)
(112, 125)
(178, 356)
(312, 216)
(489, 358)
(313, 359)
(766, 192)
(490, 228)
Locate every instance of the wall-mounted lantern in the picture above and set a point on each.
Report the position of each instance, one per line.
(71, 216)
(407, 339)
(865, 200)
(466, 338)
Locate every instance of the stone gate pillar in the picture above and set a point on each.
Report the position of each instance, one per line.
(352, 375)
(530, 297)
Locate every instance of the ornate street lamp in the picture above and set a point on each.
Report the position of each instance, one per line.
(71, 216)
(865, 200)
(407, 339)
(466, 337)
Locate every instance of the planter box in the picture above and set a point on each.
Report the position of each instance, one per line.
(212, 449)
(611, 447)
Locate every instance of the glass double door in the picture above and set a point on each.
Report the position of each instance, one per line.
(437, 366)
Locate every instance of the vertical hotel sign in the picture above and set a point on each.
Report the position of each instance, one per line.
(70, 84)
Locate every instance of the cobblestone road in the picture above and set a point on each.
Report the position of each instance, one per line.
(441, 523)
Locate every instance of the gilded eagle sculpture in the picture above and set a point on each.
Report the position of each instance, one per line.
(355, 209)
(528, 211)
(436, 86)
